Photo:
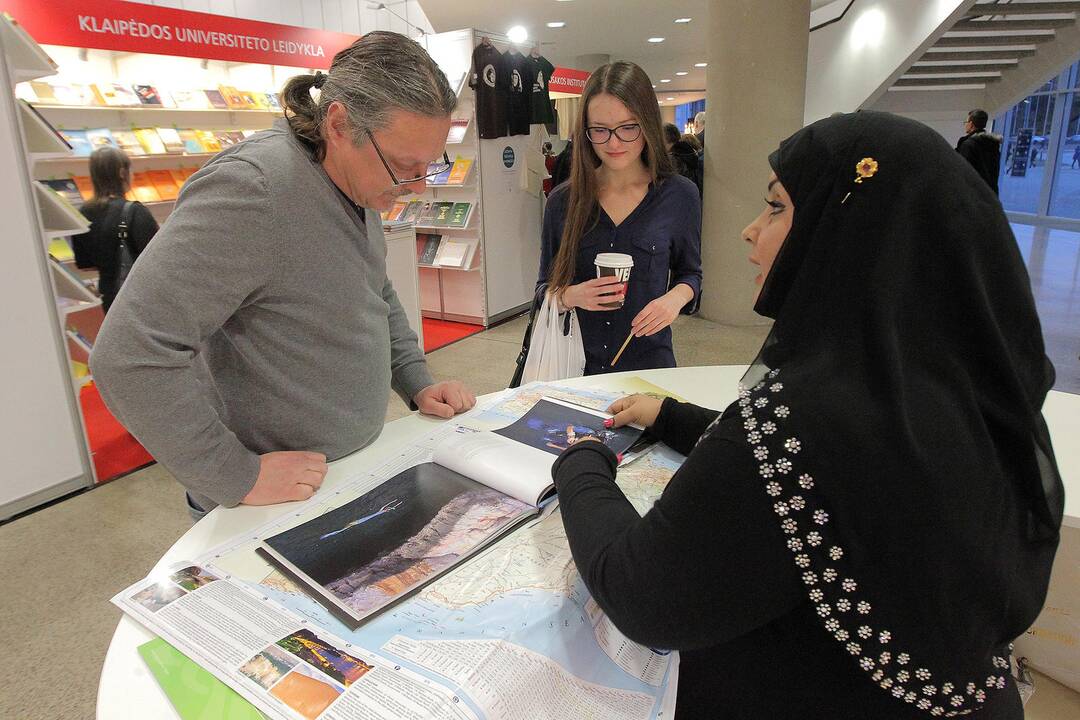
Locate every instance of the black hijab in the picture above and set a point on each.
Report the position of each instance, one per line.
(896, 410)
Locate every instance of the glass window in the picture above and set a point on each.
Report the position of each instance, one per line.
(1065, 193)
(1026, 129)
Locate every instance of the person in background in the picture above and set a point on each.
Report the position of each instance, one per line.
(623, 196)
(260, 336)
(1075, 157)
(549, 166)
(980, 148)
(99, 247)
(560, 173)
(699, 128)
(695, 144)
(683, 155)
(867, 528)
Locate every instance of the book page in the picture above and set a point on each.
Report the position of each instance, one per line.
(275, 659)
(514, 469)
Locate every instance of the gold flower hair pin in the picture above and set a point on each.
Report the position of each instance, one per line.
(864, 170)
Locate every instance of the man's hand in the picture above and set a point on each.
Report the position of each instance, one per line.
(635, 410)
(445, 399)
(286, 477)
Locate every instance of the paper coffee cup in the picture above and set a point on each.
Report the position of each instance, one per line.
(618, 265)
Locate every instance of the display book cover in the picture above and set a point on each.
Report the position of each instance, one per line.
(374, 551)
(428, 248)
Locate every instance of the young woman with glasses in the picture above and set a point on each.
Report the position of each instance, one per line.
(623, 196)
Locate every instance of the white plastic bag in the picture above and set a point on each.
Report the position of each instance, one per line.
(554, 355)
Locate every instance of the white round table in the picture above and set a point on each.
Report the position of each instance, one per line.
(128, 690)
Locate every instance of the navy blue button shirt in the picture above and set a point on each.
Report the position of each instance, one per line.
(663, 235)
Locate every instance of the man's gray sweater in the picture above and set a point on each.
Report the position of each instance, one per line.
(259, 318)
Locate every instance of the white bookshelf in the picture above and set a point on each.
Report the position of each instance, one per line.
(504, 224)
(41, 433)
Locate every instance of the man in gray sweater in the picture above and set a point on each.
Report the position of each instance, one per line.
(258, 335)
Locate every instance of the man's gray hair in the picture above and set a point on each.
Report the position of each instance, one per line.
(699, 120)
(376, 75)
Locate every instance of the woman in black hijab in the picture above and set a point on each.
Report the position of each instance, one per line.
(866, 529)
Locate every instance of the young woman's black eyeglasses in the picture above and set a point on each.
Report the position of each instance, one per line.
(600, 135)
(435, 168)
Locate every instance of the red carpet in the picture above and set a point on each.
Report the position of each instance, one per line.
(440, 333)
(114, 450)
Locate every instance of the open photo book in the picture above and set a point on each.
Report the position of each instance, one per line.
(372, 552)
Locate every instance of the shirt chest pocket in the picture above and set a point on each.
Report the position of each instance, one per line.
(652, 254)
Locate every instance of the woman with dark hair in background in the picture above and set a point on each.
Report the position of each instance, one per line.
(625, 197)
(865, 531)
(110, 172)
(683, 155)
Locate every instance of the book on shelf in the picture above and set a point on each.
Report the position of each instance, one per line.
(150, 141)
(76, 94)
(233, 99)
(455, 254)
(60, 250)
(163, 183)
(191, 100)
(439, 179)
(179, 176)
(191, 142)
(442, 213)
(427, 248)
(129, 142)
(170, 137)
(79, 142)
(142, 188)
(209, 141)
(84, 185)
(459, 172)
(118, 95)
(217, 100)
(427, 214)
(100, 137)
(67, 189)
(412, 211)
(228, 138)
(272, 102)
(459, 215)
(458, 127)
(369, 553)
(254, 100)
(41, 93)
(147, 94)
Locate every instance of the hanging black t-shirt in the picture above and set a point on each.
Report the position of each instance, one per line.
(519, 106)
(490, 81)
(539, 74)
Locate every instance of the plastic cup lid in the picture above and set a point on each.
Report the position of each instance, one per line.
(614, 260)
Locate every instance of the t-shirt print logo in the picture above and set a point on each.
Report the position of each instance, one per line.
(489, 75)
(515, 81)
(538, 86)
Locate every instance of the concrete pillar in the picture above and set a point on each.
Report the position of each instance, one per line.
(756, 88)
(590, 63)
(667, 114)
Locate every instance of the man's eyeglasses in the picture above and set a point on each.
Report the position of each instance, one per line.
(600, 135)
(435, 168)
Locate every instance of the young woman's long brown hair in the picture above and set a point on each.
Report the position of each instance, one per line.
(629, 83)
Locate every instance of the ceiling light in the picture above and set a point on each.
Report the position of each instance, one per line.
(656, 39)
(682, 72)
(671, 98)
(683, 20)
(517, 34)
(654, 87)
(700, 64)
(556, 24)
(665, 80)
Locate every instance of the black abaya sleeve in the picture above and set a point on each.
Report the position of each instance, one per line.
(708, 563)
(679, 424)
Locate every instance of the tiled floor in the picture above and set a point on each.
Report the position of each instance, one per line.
(61, 564)
(1053, 260)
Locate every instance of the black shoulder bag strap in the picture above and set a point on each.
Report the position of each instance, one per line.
(538, 300)
(125, 258)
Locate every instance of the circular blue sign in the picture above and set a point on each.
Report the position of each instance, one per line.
(508, 156)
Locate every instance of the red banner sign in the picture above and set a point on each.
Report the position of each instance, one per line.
(138, 28)
(568, 80)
